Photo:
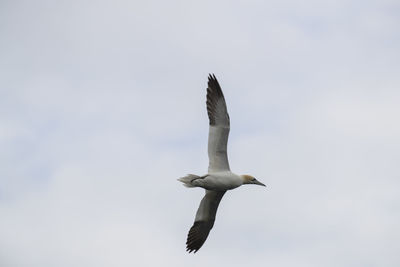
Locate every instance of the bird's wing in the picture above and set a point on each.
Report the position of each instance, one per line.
(219, 127)
(204, 221)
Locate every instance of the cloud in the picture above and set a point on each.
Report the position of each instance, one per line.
(102, 108)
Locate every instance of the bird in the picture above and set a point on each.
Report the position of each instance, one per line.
(219, 177)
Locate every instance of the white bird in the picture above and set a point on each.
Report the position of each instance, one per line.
(219, 178)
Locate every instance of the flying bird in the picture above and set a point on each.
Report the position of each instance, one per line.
(219, 178)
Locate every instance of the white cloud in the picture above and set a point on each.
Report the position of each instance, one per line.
(102, 108)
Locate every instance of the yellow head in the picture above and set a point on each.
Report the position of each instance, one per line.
(248, 179)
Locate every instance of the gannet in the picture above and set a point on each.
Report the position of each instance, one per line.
(219, 178)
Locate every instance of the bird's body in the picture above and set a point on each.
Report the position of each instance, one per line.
(217, 181)
(219, 178)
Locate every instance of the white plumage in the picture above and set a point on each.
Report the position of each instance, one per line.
(219, 178)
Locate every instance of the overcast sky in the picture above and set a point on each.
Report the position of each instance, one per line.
(102, 108)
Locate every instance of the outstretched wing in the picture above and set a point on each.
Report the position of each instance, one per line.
(219, 127)
(204, 221)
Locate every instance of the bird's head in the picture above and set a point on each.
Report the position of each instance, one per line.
(248, 179)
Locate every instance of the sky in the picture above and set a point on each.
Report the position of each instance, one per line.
(102, 108)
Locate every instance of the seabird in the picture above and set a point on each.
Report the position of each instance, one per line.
(219, 178)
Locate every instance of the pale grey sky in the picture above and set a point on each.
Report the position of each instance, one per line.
(102, 107)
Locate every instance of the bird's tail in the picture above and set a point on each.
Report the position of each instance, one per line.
(187, 180)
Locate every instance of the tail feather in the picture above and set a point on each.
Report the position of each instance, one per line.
(187, 180)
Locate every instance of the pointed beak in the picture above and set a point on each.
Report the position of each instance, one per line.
(259, 183)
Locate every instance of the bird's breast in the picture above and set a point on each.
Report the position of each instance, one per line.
(222, 181)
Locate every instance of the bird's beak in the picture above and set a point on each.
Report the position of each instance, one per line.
(259, 183)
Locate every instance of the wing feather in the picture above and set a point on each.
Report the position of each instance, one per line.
(205, 218)
(219, 127)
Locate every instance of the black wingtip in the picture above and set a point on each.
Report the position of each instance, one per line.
(211, 77)
(214, 95)
(198, 234)
(213, 85)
